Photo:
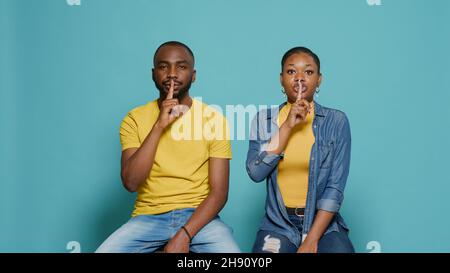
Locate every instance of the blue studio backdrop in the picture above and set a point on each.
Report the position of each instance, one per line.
(71, 70)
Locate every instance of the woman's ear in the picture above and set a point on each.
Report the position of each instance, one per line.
(319, 82)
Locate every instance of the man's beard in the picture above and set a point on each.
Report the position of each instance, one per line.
(182, 92)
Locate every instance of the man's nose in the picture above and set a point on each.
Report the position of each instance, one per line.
(173, 72)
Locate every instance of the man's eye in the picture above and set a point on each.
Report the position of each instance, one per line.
(182, 67)
(290, 71)
(163, 66)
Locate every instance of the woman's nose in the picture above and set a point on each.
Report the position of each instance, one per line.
(299, 77)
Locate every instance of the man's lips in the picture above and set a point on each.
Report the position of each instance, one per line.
(176, 86)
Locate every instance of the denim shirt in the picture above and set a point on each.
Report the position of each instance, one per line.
(328, 170)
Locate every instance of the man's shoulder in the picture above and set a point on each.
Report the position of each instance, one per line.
(145, 110)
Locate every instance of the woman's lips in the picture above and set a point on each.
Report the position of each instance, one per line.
(296, 88)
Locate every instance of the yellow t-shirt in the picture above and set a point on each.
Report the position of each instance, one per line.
(293, 168)
(179, 175)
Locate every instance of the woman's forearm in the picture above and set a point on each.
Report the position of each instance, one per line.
(279, 141)
(321, 221)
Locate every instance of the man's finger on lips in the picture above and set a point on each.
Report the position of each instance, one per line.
(170, 93)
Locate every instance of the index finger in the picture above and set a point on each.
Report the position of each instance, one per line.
(299, 94)
(170, 93)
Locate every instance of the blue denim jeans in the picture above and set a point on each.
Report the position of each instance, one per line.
(272, 242)
(148, 233)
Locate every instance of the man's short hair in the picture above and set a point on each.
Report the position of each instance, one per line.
(174, 43)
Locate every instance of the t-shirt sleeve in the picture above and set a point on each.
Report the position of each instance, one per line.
(220, 146)
(129, 136)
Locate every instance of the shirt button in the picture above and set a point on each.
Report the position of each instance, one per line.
(257, 162)
(312, 158)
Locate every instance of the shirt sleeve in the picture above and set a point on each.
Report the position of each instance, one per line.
(129, 136)
(259, 163)
(333, 194)
(220, 145)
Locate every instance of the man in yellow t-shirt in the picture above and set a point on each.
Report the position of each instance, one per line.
(175, 155)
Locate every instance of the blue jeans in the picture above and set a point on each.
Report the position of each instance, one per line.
(148, 233)
(332, 242)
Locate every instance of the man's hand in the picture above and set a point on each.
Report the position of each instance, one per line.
(170, 109)
(178, 244)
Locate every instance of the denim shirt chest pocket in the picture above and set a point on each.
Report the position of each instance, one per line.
(325, 162)
(326, 149)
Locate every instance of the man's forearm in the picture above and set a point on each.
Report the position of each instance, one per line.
(205, 212)
(138, 166)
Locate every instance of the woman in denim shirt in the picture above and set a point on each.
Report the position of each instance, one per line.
(302, 149)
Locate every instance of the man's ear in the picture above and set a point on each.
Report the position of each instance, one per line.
(153, 74)
(194, 75)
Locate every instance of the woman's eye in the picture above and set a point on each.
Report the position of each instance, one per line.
(290, 71)
(309, 72)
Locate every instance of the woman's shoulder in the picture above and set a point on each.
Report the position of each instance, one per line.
(331, 113)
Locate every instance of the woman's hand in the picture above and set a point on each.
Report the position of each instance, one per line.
(308, 247)
(298, 112)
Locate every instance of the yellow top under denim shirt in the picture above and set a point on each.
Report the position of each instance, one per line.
(293, 168)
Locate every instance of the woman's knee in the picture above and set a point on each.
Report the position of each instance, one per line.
(336, 242)
(272, 242)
